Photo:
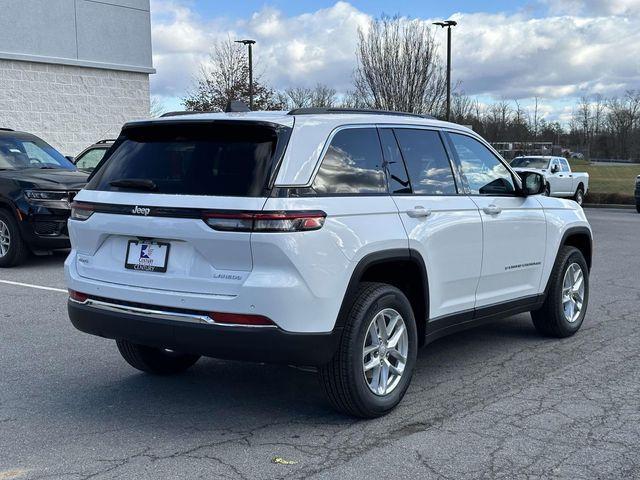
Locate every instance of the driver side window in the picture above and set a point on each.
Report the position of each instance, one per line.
(485, 174)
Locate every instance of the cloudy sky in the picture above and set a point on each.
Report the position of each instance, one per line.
(557, 50)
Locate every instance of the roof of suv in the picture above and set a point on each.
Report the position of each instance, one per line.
(308, 141)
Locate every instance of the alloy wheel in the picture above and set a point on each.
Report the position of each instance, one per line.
(573, 292)
(5, 239)
(385, 350)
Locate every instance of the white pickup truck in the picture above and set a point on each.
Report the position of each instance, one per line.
(560, 180)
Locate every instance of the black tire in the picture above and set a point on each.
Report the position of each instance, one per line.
(578, 197)
(343, 378)
(17, 252)
(547, 190)
(550, 319)
(155, 360)
(638, 207)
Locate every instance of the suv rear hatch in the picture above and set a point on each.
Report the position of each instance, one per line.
(147, 204)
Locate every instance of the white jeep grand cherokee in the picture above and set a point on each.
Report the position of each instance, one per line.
(330, 238)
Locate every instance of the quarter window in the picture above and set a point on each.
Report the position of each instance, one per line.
(427, 162)
(485, 174)
(352, 164)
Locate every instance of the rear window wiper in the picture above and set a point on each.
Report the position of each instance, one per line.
(134, 184)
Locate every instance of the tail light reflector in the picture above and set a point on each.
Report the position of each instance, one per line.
(77, 296)
(240, 319)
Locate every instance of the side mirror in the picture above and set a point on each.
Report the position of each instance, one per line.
(555, 168)
(71, 159)
(532, 183)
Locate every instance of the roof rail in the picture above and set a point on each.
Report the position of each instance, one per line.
(106, 140)
(320, 110)
(7, 129)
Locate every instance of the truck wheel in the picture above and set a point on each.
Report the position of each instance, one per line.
(372, 367)
(13, 250)
(547, 190)
(638, 207)
(564, 309)
(579, 196)
(155, 360)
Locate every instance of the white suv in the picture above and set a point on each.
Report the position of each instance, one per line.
(329, 238)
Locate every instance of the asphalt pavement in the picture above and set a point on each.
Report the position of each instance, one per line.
(495, 402)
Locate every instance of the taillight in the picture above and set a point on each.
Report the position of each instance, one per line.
(81, 211)
(241, 319)
(292, 221)
(77, 296)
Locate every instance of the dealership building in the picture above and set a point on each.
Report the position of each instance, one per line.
(73, 71)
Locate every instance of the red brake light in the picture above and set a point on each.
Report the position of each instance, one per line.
(240, 319)
(290, 221)
(81, 211)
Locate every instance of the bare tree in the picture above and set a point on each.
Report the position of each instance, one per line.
(624, 120)
(319, 96)
(225, 77)
(156, 107)
(398, 67)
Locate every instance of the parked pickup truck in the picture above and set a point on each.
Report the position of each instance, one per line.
(560, 180)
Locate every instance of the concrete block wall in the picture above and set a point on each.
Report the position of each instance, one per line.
(70, 107)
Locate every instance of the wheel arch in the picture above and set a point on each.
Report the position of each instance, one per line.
(580, 238)
(404, 269)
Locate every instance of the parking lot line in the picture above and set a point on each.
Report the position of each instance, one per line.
(30, 285)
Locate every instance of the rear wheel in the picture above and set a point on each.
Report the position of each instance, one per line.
(564, 308)
(155, 360)
(13, 250)
(579, 195)
(374, 362)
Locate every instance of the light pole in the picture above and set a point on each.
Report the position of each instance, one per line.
(249, 43)
(448, 24)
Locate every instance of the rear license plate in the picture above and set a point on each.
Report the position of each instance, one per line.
(147, 256)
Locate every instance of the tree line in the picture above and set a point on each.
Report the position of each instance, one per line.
(398, 67)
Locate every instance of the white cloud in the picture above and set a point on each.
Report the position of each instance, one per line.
(583, 46)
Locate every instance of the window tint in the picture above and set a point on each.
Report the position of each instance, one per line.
(89, 160)
(18, 153)
(396, 172)
(427, 162)
(485, 174)
(221, 159)
(352, 164)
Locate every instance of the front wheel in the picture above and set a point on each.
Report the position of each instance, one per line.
(547, 190)
(638, 207)
(579, 196)
(13, 250)
(155, 360)
(372, 367)
(564, 308)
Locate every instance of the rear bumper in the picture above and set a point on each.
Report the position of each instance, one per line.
(256, 344)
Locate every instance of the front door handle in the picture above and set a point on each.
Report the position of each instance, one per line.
(492, 210)
(418, 212)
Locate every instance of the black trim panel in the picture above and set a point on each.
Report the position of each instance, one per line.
(270, 345)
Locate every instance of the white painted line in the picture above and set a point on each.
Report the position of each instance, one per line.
(39, 287)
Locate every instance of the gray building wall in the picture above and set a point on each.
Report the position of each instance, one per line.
(73, 71)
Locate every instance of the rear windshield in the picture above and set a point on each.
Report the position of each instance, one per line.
(529, 162)
(216, 158)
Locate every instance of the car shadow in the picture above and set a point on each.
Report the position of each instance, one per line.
(228, 394)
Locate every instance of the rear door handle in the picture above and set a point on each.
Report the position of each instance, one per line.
(492, 210)
(418, 212)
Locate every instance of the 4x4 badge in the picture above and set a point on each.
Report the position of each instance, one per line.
(140, 211)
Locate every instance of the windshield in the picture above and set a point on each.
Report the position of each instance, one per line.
(530, 162)
(220, 159)
(18, 153)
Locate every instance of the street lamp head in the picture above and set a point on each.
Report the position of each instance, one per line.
(446, 23)
(245, 42)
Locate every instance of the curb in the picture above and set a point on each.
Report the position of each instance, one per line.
(611, 205)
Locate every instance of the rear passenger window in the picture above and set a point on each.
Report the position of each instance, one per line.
(352, 164)
(427, 162)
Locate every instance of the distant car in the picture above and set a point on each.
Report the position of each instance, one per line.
(89, 158)
(577, 155)
(37, 184)
(638, 193)
(560, 180)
